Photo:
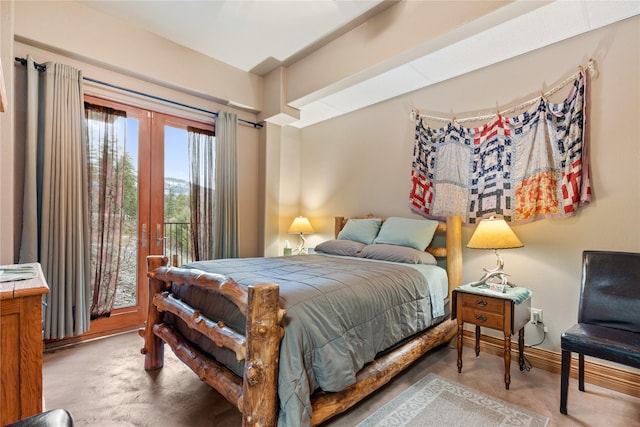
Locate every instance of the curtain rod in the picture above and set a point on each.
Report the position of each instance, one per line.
(43, 67)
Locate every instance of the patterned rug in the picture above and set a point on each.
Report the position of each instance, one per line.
(435, 401)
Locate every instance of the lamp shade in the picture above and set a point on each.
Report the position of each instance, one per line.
(301, 225)
(494, 234)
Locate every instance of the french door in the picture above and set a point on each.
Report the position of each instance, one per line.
(157, 221)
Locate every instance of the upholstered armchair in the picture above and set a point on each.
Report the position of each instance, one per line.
(608, 315)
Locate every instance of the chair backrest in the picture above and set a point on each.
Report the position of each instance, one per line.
(610, 294)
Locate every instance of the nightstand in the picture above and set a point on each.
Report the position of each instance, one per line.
(507, 312)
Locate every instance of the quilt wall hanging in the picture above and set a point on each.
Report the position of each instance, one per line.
(526, 167)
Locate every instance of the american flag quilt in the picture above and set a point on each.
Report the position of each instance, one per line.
(522, 168)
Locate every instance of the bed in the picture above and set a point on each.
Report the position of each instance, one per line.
(230, 333)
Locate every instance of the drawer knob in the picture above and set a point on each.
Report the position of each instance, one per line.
(481, 302)
(481, 318)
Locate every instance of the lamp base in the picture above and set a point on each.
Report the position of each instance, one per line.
(301, 249)
(491, 275)
(489, 278)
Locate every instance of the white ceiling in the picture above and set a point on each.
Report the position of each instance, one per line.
(267, 34)
(243, 33)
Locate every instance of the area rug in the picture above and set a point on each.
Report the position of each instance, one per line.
(435, 401)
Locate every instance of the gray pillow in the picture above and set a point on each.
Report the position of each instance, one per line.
(360, 230)
(396, 253)
(340, 247)
(415, 233)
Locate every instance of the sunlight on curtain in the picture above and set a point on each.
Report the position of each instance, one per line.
(55, 224)
(106, 142)
(202, 147)
(226, 218)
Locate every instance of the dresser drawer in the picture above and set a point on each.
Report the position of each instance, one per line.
(479, 302)
(482, 318)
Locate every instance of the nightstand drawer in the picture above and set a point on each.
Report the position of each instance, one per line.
(482, 318)
(480, 302)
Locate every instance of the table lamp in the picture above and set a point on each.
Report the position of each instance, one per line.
(494, 234)
(301, 226)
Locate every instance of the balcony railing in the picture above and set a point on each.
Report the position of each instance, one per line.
(177, 242)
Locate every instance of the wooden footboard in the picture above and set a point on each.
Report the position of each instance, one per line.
(255, 394)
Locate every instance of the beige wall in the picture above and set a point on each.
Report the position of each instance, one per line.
(360, 163)
(282, 187)
(7, 195)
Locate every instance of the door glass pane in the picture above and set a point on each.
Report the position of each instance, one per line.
(177, 210)
(127, 288)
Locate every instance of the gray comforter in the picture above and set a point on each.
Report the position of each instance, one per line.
(341, 312)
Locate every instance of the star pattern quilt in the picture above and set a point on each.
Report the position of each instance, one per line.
(522, 168)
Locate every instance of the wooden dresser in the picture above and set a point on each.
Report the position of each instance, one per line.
(21, 346)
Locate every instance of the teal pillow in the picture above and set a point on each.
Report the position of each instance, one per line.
(414, 233)
(360, 230)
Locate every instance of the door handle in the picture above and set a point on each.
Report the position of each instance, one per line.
(143, 240)
(159, 237)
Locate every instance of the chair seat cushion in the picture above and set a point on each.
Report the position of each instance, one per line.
(52, 418)
(615, 345)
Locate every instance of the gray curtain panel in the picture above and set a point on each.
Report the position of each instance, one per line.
(55, 229)
(226, 214)
(202, 146)
(31, 202)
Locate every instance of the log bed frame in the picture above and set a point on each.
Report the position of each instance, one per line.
(255, 394)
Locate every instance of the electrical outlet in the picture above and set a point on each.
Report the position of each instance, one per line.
(536, 316)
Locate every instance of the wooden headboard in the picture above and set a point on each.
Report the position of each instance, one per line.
(451, 252)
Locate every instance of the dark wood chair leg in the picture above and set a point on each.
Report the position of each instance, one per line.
(521, 349)
(564, 380)
(581, 372)
(459, 342)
